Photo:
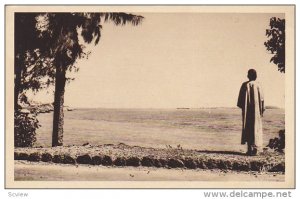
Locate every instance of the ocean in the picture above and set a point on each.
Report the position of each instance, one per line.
(203, 129)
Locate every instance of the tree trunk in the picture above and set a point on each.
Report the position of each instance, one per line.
(17, 88)
(58, 115)
(18, 76)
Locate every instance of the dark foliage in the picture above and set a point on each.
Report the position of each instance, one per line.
(278, 143)
(25, 129)
(33, 70)
(276, 42)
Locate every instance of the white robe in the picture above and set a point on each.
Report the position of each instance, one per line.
(251, 102)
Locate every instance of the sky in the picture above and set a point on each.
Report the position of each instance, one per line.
(175, 60)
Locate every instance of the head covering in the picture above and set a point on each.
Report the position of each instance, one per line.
(252, 74)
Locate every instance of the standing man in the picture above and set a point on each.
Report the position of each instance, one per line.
(251, 101)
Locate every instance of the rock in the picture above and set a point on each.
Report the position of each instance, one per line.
(222, 165)
(241, 166)
(235, 166)
(256, 166)
(201, 164)
(39, 107)
(97, 160)
(22, 156)
(174, 163)
(211, 164)
(16, 155)
(190, 164)
(84, 159)
(147, 162)
(58, 159)
(46, 157)
(278, 168)
(34, 157)
(133, 161)
(228, 164)
(163, 162)
(245, 166)
(67, 159)
(106, 160)
(160, 163)
(119, 161)
(118, 155)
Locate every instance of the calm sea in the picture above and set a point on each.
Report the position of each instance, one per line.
(211, 128)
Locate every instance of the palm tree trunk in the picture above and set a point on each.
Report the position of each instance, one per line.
(58, 115)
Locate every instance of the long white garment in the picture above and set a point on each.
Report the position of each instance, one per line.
(251, 102)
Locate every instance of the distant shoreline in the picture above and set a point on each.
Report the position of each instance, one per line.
(48, 107)
(179, 108)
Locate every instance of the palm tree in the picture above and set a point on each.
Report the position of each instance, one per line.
(60, 32)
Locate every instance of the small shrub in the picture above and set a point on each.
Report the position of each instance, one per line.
(278, 143)
(25, 125)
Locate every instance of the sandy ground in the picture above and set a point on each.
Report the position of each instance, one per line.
(32, 171)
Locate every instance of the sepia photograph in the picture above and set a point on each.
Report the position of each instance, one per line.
(150, 96)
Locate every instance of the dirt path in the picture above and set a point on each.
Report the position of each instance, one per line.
(40, 171)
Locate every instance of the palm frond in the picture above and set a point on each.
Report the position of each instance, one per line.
(121, 18)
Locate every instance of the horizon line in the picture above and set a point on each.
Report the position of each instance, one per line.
(178, 108)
